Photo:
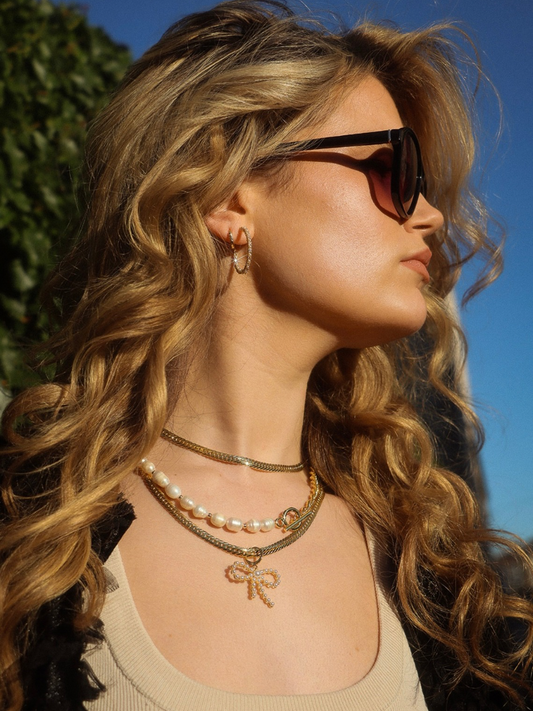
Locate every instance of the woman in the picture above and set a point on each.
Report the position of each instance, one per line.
(232, 363)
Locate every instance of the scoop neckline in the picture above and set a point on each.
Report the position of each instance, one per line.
(157, 679)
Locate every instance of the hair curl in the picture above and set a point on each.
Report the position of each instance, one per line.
(210, 104)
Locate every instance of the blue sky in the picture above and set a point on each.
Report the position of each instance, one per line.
(499, 321)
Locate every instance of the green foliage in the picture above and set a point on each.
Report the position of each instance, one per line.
(56, 73)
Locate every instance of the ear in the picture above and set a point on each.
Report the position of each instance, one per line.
(230, 216)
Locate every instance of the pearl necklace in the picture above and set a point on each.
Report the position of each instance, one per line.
(245, 570)
(233, 524)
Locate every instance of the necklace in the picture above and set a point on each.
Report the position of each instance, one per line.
(229, 458)
(246, 571)
(286, 520)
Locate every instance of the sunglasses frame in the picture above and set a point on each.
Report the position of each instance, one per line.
(394, 136)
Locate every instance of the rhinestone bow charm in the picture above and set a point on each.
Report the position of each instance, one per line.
(241, 571)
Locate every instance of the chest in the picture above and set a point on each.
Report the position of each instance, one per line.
(321, 634)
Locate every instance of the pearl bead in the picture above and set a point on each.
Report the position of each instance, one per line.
(147, 466)
(267, 524)
(172, 491)
(200, 511)
(161, 479)
(234, 524)
(252, 526)
(218, 520)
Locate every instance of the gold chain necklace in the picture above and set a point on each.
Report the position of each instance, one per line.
(229, 458)
(246, 571)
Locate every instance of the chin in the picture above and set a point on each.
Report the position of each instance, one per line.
(412, 316)
(413, 324)
(393, 330)
(409, 331)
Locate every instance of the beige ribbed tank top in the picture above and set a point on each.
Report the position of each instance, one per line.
(139, 678)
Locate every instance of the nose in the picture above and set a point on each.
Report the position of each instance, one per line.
(425, 220)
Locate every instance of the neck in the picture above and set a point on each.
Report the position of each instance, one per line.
(246, 390)
(235, 404)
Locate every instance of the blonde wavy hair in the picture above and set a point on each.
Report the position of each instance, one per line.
(209, 105)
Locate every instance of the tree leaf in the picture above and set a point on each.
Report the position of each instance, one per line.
(21, 279)
(39, 70)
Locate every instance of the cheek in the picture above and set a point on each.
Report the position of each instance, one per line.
(333, 258)
(321, 242)
(354, 240)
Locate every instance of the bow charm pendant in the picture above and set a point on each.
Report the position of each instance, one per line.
(247, 572)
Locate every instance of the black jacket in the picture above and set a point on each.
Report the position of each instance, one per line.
(56, 678)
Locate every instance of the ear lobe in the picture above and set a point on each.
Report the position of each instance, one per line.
(230, 216)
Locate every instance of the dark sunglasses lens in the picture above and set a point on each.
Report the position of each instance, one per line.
(409, 172)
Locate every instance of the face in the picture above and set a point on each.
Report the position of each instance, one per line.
(329, 249)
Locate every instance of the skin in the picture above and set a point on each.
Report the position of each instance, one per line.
(329, 271)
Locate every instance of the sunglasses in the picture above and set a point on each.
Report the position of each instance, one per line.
(398, 180)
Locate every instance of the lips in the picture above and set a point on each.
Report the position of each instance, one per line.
(419, 262)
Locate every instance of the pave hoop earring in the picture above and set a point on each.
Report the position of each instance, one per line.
(248, 252)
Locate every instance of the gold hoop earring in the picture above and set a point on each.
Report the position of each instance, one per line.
(248, 252)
